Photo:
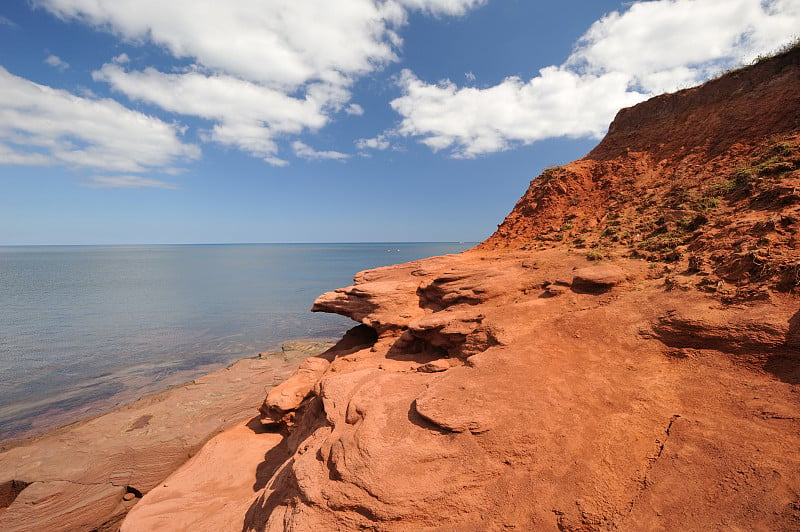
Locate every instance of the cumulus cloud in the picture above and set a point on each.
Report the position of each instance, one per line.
(245, 114)
(381, 142)
(40, 125)
(261, 69)
(56, 62)
(279, 43)
(555, 103)
(306, 152)
(127, 181)
(622, 59)
(354, 109)
(672, 43)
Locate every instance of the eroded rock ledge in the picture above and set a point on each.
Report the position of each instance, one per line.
(585, 412)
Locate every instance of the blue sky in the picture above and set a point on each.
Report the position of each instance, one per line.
(143, 121)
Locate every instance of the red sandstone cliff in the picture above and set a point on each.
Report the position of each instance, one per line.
(622, 354)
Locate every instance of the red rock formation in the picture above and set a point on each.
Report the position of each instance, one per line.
(519, 386)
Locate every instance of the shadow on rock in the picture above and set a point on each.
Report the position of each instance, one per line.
(284, 488)
(358, 338)
(786, 365)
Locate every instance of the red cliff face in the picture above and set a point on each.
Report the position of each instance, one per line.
(622, 354)
(702, 180)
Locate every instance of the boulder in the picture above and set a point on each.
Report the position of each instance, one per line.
(282, 401)
(598, 278)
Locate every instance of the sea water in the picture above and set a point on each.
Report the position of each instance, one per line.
(84, 326)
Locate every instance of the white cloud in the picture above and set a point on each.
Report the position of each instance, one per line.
(275, 161)
(279, 43)
(376, 143)
(4, 21)
(262, 68)
(443, 7)
(306, 152)
(56, 62)
(245, 115)
(653, 47)
(670, 43)
(354, 109)
(474, 121)
(40, 125)
(127, 181)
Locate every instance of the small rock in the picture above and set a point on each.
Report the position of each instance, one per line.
(128, 496)
(695, 263)
(556, 289)
(435, 366)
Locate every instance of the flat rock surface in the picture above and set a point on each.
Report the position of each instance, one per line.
(78, 476)
(212, 491)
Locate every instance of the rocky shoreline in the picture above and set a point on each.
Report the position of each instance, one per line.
(87, 475)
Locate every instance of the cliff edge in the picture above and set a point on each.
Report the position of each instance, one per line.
(622, 354)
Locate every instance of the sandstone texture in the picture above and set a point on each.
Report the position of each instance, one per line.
(633, 408)
(212, 491)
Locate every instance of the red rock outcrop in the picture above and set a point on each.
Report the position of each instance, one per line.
(629, 408)
(622, 354)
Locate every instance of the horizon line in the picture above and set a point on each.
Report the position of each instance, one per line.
(247, 243)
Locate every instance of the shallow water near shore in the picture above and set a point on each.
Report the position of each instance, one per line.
(84, 328)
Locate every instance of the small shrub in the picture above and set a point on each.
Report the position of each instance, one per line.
(775, 167)
(708, 204)
(722, 188)
(783, 149)
(609, 231)
(743, 178)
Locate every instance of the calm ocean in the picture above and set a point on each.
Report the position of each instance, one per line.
(83, 326)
